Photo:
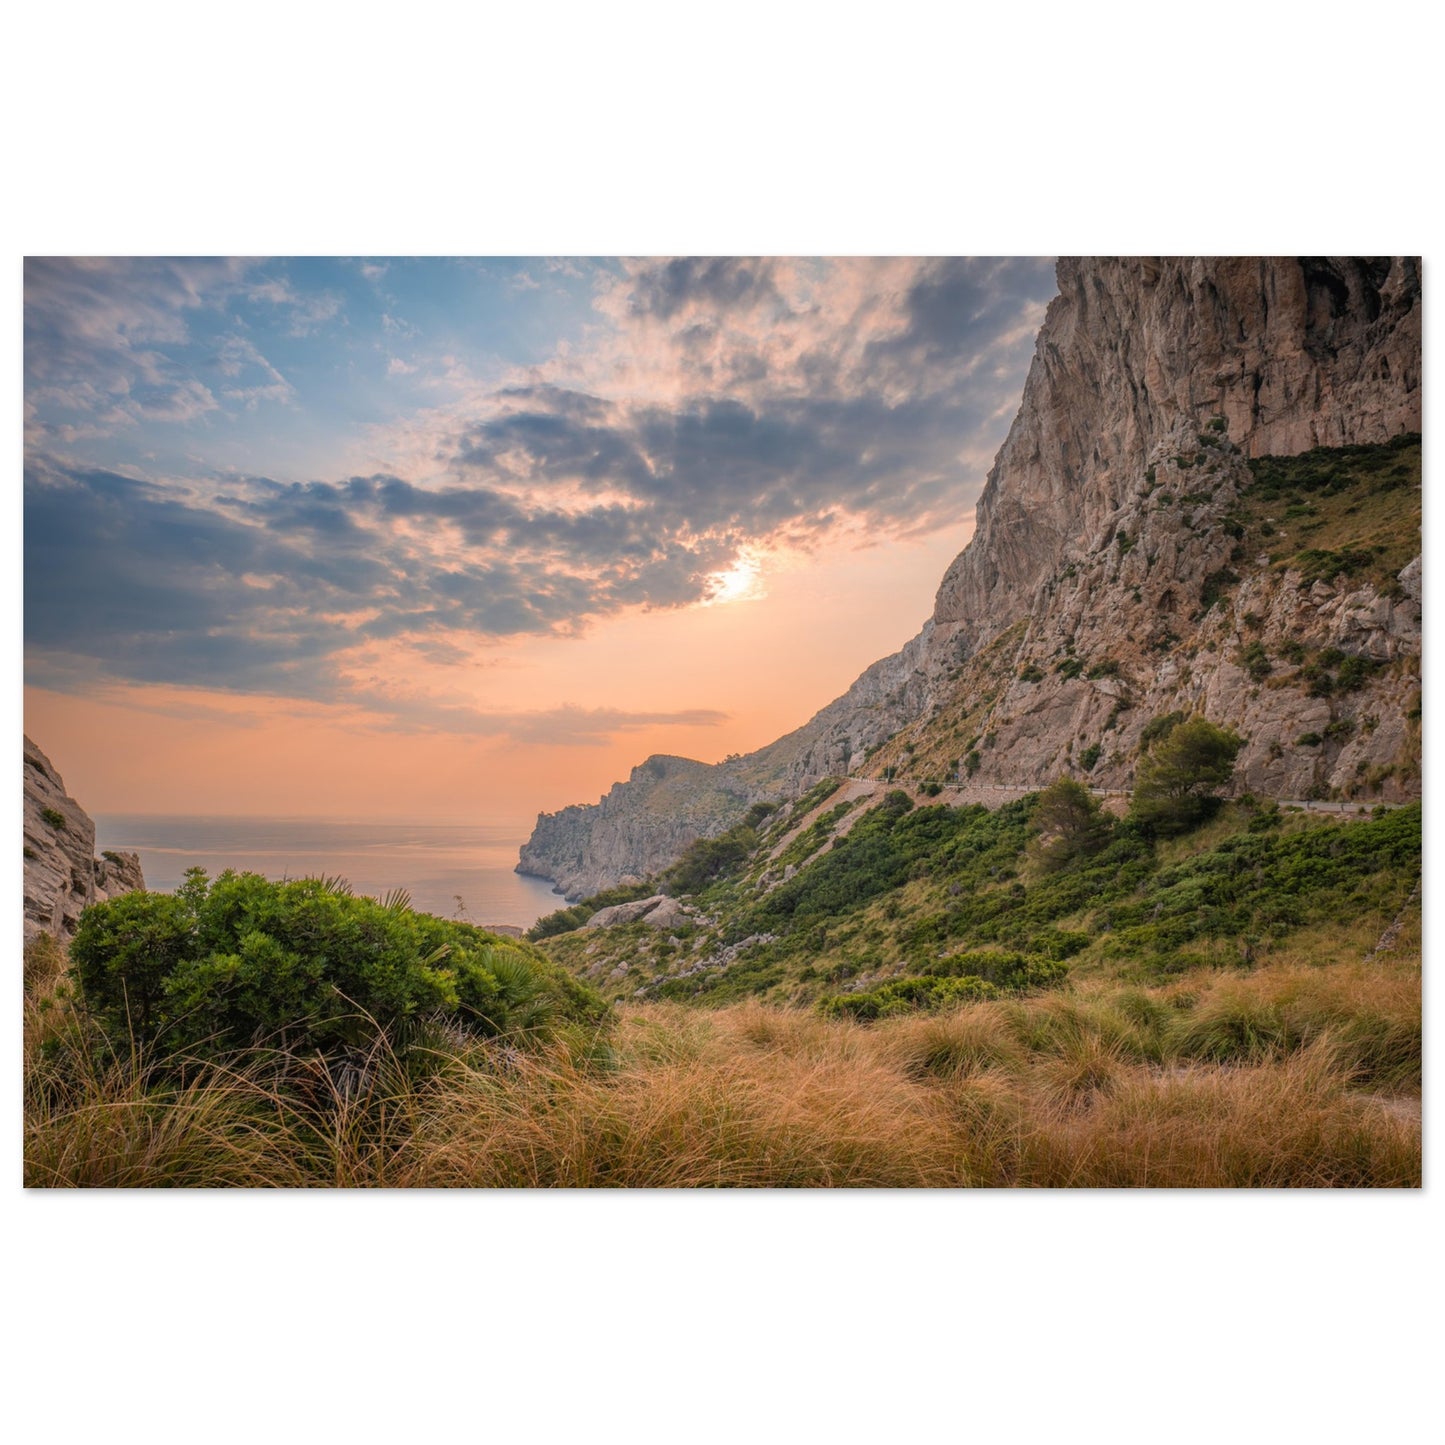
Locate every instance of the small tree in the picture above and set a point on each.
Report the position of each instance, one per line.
(1070, 822)
(1178, 783)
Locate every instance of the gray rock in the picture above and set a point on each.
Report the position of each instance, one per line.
(624, 912)
(670, 913)
(62, 874)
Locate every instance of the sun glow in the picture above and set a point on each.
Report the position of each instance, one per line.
(742, 582)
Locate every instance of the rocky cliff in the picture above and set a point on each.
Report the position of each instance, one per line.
(62, 873)
(1137, 356)
(1137, 553)
(638, 828)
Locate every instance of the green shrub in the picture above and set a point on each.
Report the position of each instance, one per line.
(225, 965)
(1159, 727)
(1353, 671)
(708, 859)
(905, 995)
(1007, 971)
(1255, 661)
(1058, 943)
(1090, 756)
(54, 818)
(1322, 565)
(564, 920)
(1216, 584)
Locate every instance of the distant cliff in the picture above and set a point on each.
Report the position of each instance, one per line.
(62, 873)
(637, 828)
(1135, 554)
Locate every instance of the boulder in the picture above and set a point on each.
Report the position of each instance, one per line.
(624, 912)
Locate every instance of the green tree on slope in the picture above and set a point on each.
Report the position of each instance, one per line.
(1178, 782)
(1071, 825)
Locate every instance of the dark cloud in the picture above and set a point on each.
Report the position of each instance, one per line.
(719, 283)
(959, 307)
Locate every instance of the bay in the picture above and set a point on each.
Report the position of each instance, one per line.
(455, 871)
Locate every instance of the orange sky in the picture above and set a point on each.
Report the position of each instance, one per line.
(768, 661)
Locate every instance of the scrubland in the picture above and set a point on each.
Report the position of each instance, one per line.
(1299, 1073)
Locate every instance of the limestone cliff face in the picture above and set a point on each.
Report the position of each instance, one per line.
(1107, 525)
(1136, 354)
(638, 828)
(62, 873)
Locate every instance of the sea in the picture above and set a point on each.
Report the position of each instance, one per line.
(455, 871)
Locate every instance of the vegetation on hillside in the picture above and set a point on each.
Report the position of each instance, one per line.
(1336, 512)
(1018, 898)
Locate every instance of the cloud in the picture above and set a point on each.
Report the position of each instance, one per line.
(720, 410)
(551, 727)
(253, 378)
(108, 343)
(307, 311)
(710, 284)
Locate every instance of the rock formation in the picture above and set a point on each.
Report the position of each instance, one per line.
(62, 873)
(639, 827)
(659, 911)
(1111, 579)
(1136, 354)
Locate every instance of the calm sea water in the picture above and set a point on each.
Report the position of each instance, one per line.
(456, 872)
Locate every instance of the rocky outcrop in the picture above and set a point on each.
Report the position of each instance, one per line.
(1083, 606)
(659, 911)
(62, 874)
(639, 827)
(1135, 354)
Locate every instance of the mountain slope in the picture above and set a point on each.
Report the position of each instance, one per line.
(1136, 554)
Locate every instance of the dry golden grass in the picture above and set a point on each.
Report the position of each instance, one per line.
(1292, 1075)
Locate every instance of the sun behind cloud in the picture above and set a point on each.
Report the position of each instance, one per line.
(742, 582)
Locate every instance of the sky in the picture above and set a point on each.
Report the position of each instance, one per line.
(467, 539)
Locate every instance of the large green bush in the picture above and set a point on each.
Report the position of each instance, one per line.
(305, 964)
